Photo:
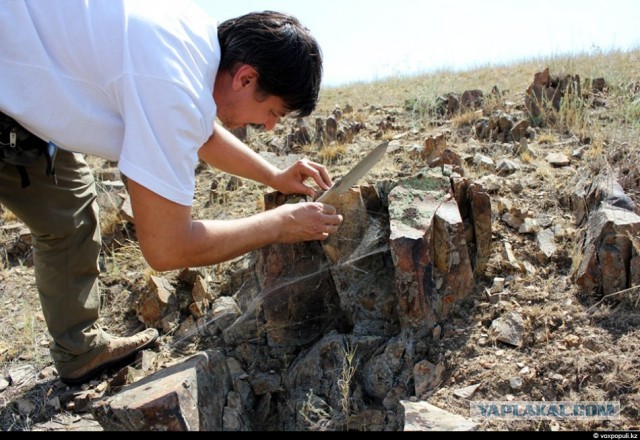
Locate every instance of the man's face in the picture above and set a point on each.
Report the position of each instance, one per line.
(251, 108)
(240, 103)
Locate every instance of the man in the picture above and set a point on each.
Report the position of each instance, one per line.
(141, 83)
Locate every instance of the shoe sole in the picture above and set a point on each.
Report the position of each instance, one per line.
(116, 364)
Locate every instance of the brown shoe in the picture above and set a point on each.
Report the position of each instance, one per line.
(119, 351)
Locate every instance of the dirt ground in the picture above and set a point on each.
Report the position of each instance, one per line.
(575, 348)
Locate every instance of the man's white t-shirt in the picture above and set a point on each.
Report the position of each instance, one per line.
(127, 80)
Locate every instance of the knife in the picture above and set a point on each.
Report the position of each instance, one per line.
(356, 172)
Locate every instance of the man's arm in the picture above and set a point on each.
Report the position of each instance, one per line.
(170, 239)
(227, 153)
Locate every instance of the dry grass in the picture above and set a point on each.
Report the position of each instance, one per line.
(613, 133)
(316, 413)
(620, 69)
(604, 367)
(330, 154)
(345, 382)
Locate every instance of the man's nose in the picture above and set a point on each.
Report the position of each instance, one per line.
(271, 123)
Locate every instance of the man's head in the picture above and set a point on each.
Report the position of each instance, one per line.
(286, 58)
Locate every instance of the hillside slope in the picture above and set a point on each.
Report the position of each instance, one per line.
(572, 345)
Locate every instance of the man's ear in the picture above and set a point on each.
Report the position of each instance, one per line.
(244, 76)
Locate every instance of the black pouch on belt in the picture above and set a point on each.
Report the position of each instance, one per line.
(21, 148)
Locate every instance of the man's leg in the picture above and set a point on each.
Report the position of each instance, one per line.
(63, 219)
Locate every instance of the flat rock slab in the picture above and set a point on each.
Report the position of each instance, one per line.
(188, 396)
(422, 416)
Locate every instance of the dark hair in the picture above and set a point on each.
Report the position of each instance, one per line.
(283, 52)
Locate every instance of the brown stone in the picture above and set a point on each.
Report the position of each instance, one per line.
(157, 300)
(471, 99)
(355, 221)
(434, 146)
(452, 274)
(481, 219)
(427, 376)
(298, 295)
(200, 290)
(634, 269)
(519, 130)
(607, 251)
(410, 243)
(331, 129)
(429, 250)
(188, 396)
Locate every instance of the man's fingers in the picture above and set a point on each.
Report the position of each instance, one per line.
(319, 173)
(324, 175)
(329, 210)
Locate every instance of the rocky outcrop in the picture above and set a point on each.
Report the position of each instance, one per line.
(327, 335)
(546, 95)
(610, 256)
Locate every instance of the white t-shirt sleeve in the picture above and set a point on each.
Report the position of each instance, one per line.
(165, 89)
(165, 127)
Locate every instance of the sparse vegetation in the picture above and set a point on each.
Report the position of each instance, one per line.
(330, 154)
(316, 413)
(576, 347)
(345, 382)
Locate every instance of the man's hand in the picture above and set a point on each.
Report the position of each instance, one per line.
(225, 152)
(306, 222)
(291, 180)
(170, 239)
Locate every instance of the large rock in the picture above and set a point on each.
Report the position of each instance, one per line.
(545, 95)
(315, 382)
(189, 396)
(298, 295)
(429, 249)
(361, 265)
(326, 335)
(609, 260)
(422, 416)
(606, 264)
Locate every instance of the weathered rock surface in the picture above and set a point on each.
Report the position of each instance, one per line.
(422, 416)
(609, 261)
(189, 396)
(334, 328)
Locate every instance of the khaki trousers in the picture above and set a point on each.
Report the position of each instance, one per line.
(63, 219)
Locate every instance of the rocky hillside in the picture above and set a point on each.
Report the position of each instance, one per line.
(492, 255)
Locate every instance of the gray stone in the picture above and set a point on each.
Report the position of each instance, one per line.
(22, 375)
(546, 242)
(558, 160)
(607, 251)
(506, 167)
(287, 273)
(427, 376)
(224, 312)
(515, 383)
(422, 416)
(263, 383)
(319, 369)
(509, 329)
(466, 392)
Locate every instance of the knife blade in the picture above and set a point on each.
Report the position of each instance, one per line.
(356, 173)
